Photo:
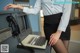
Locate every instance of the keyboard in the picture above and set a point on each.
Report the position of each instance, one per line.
(37, 41)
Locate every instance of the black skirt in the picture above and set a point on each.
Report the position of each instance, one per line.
(51, 23)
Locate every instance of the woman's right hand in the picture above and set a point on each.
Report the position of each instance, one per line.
(12, 6)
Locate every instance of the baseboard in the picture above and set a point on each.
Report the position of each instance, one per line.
(75, 41)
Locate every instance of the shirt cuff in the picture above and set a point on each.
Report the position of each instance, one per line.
(25, 9)
(61, 29)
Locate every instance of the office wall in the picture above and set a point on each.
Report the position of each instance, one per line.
(34, 19)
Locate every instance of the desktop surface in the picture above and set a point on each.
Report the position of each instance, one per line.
(12, 42)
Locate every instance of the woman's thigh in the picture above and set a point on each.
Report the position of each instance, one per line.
(59, 47)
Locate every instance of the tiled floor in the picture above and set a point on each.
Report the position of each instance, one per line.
(74, 47)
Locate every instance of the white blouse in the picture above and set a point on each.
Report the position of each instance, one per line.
(50, 7)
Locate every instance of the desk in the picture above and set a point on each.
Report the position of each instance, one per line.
(13, 47)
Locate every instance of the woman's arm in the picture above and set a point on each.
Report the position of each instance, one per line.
(26, 10)
(63, 23)
(33, 10)
(13, 6)
(66, 16)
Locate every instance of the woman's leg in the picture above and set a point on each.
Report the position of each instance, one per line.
(66, 43)
(59, 47)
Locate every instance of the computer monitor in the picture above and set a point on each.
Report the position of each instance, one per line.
(22, 3)
(21, 0)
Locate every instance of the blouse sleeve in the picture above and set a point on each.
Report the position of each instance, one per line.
(33, 10)
(66, 16)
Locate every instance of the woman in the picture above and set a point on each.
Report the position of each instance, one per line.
(56, 21)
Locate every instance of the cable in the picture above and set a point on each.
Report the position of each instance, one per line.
(14, 26)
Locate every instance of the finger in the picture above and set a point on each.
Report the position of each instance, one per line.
(54, 41)
(51, 35)
(6, 8)
(9, 4)
(51, 41)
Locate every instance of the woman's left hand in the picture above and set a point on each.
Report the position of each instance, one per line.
(54, 38)
(13, 6)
